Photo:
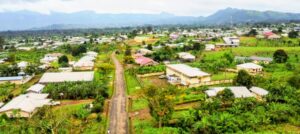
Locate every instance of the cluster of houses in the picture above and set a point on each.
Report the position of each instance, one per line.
(25, 105)
(84, 63)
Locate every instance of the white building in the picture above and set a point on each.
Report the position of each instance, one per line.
(210, 47)
(250, 67)
(232, 41)
(25, 105)
(238, 92)
(186, 56)
(66, 77)
(186, 75)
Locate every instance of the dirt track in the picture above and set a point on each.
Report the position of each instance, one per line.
(118, 114)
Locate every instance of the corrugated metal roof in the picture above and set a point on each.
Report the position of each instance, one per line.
(66, 77)
(187, 70)
(259, 91)
(27, 102)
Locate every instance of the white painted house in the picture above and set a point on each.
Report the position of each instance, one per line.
(186, 75)
(58, 77)
(25, 105)
(250, 67)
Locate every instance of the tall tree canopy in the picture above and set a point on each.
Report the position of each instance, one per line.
(280, 56)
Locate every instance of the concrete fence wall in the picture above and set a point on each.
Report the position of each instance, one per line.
(209, 83)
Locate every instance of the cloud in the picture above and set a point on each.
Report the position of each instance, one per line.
(178, 7)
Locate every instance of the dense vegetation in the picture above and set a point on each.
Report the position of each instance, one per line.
(75, 90)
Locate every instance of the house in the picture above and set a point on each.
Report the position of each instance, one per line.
(174, 36)
(25, 105)
(232, 41)
(78, 40)
(271, 35)
(144, 61)
(210, 47)
(59, 77)
(22, 65)
(265, 60)
(37, 88)
(186, 56)
(254, 59)
(274, 37)
(49, 58)
(144, 51)
(186, 75)
(250, 67)
(85, 63)
(259, 91)
(238, 92)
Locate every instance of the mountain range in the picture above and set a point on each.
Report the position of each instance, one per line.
(28, 20)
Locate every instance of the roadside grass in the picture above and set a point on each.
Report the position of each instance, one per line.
(133, 86)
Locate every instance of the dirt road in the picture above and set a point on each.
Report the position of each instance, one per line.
(118, 116)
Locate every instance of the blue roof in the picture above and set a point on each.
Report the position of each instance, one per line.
(11, 78)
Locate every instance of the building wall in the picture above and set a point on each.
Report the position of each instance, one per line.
(250, 70)
(14, 81)
(10, 113)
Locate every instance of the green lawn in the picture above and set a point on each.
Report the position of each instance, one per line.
(252, 41)
(223, 76)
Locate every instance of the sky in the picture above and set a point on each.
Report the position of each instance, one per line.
(177, 7)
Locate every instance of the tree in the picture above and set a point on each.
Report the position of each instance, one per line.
(293, 34)
(149, 47)
(2, 42)
(225, 95)
(128, 51)
(161, 103)
(295, 81)
(31, 69)
(229, 57)
(198, 46)
(77, 50)
(63, 61)
(280, 56)
(11, 58)
(252, 32)
(244, 79)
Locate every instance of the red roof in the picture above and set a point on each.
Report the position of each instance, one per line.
(268, 33)
(143, 60)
